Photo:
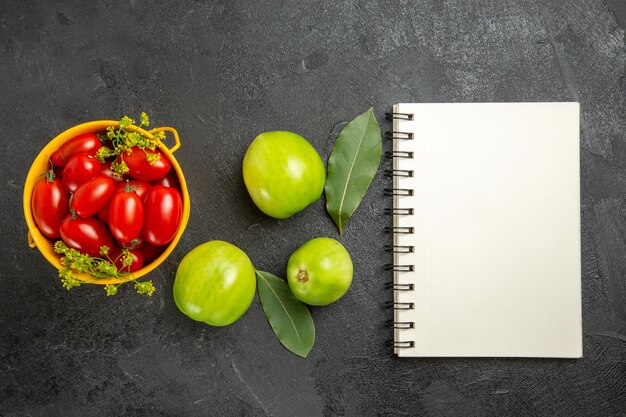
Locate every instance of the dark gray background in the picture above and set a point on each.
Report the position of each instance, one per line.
(222, 72)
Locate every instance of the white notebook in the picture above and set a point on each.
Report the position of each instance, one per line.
(486, 212)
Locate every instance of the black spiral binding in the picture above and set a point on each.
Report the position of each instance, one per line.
(400, 230)
(401, 116)
(399, 154)
(400, 324)
(398, 191)
(399, 135)
(399, 211)
(405, 192)
(399, 306)
(398, 173)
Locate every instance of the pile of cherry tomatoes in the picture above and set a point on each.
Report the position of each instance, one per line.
(82, 202)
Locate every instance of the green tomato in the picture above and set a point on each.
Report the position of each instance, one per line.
(215, 283)
(320, 271)
(283, 173)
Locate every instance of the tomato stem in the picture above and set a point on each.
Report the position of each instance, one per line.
(132, 244)
(72, 211)
(50, 173)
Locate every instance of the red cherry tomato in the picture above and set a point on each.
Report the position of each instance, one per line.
(140, 188)
(92, 196)
(58, 173)
(126, 215)
(162, 215)
(80, 169)
(150, 252)
(85, 235)
(50, 205)
(103, 214)
(117, 258)
(136, 243)
(105, 169)
(88, 143)
(169, 180)
(56, 158)
(139, 167)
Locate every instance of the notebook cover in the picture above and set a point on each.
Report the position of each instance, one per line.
(496, 219)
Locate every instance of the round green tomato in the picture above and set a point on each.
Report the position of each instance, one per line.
(283, 173)
(215, 283)
(320, 271)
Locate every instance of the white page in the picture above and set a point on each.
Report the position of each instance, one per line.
(496, 230)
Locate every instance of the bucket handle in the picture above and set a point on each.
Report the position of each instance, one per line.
(172, 131)
(31, 241)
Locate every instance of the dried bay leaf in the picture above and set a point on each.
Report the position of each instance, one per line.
(289, 317)
(351, 167)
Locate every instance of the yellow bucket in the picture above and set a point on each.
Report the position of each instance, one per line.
(41, 164)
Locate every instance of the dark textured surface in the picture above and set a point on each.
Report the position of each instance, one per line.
(221, 72)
